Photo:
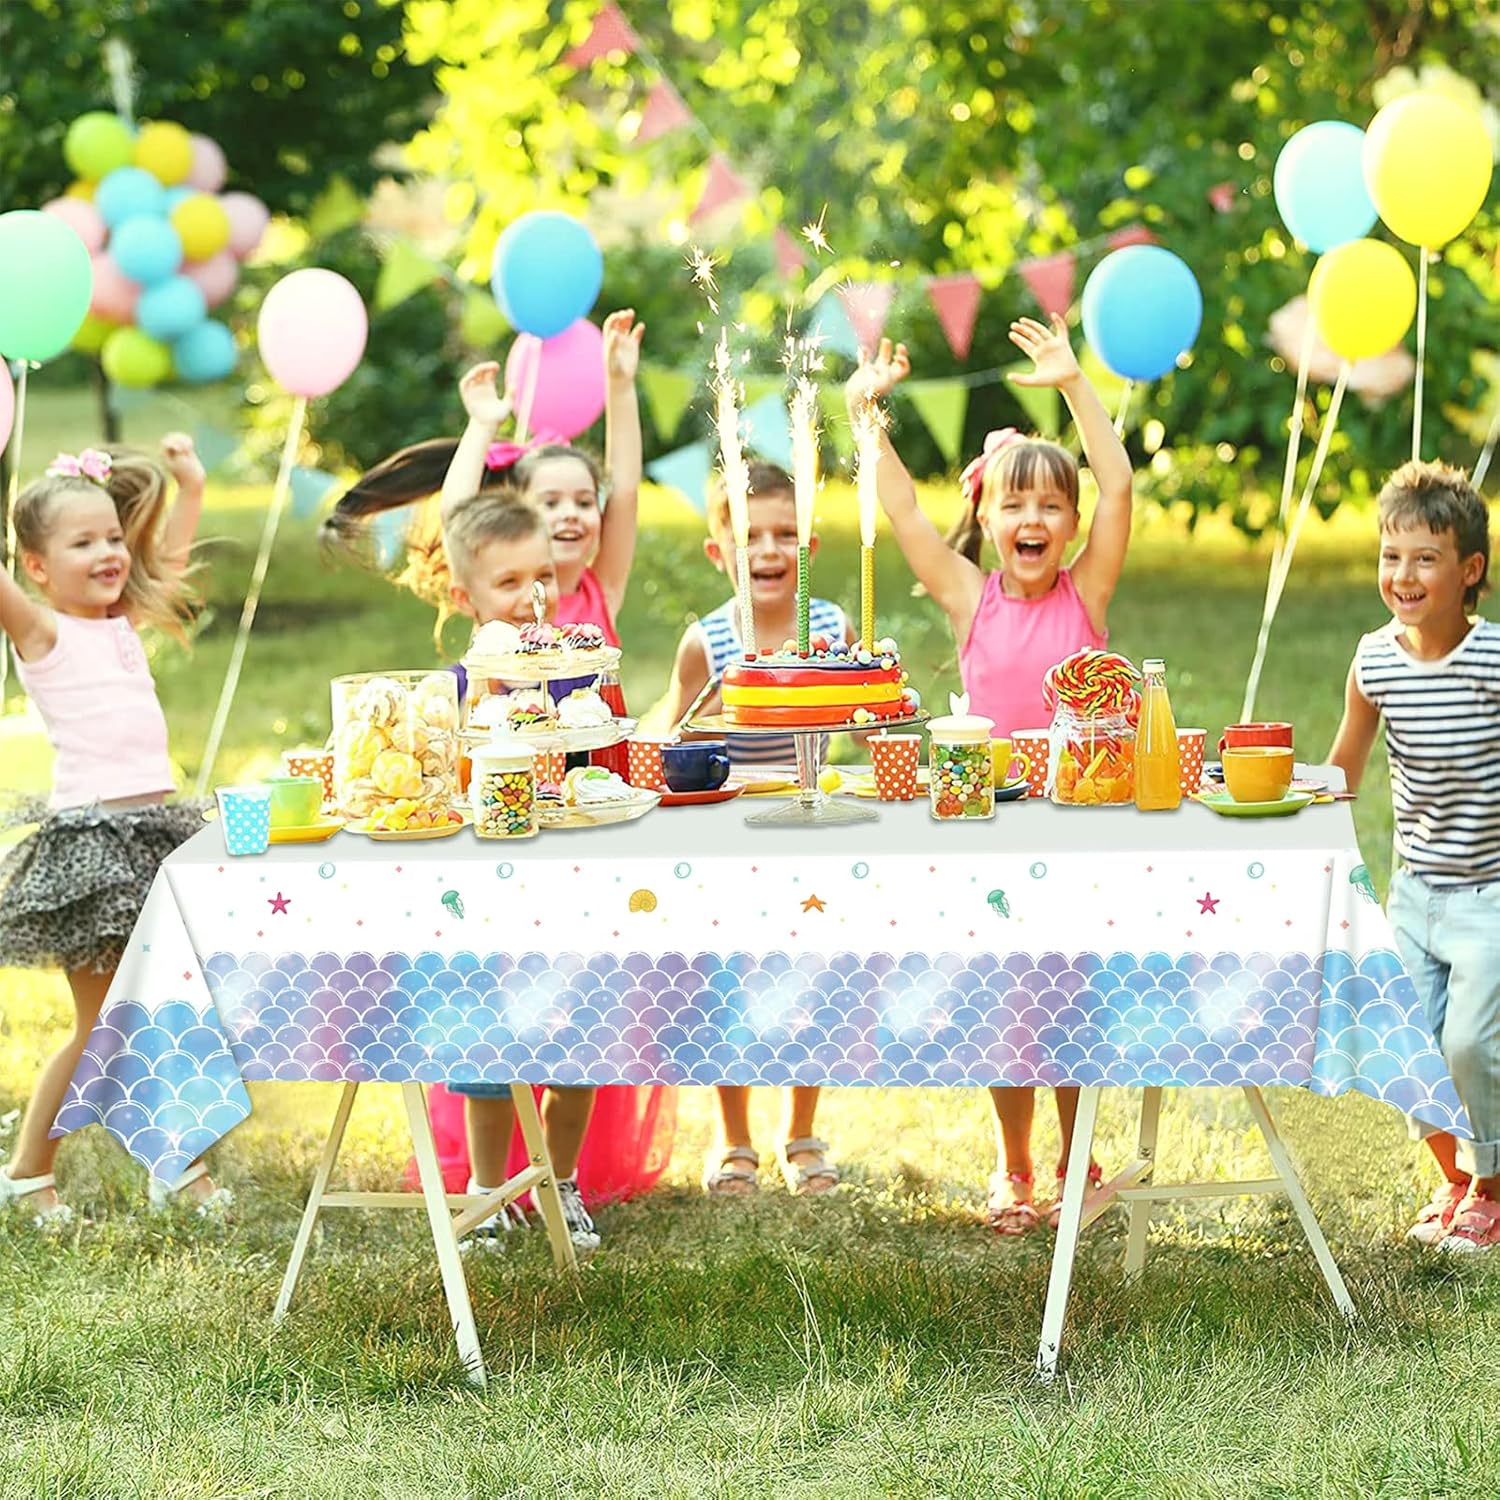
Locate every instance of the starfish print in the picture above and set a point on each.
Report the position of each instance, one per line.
(279, 904)
(1208, 903)
(813, 903)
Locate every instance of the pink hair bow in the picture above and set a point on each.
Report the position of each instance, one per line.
(506, 455)
(971, 481)
(90, 464)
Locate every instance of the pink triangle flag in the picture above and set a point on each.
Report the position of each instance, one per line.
(1051, 280)
(789, 256)
(723, 187)
(664, 111)
(611, 33)
(1136, 234)
(1222, 195)
(867, 303)
(955, 299)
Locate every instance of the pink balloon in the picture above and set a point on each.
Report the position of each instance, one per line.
(209, 169)
(569, 391)
(7, 404)
(312, 331)
(216, 277)
(115, 294)
(82, 217)
(248, 218)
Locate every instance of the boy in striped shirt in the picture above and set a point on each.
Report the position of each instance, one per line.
(1433, 676)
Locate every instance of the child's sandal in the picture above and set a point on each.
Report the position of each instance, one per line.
(1475, 1228)
(160, 1196)
(14, 1189)
(1435, 1220)
(731, 1173)
(1096, 1180)
(808, 1179)
(1006, 1214)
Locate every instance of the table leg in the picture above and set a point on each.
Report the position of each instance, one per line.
(544, 1194)
(1291, 1183)
(314, 1203)
(1140, 1208)
(450, 1262)
(1075, 1184)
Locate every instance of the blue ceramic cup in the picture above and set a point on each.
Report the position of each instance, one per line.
(698, 766)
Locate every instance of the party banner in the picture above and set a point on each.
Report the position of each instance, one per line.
(942, 405)
(404, 272)
(868, 303)
(685, 470)
(215, 446)
(955, 300)
(662, 113)
(669, 393)
(721, 187)
(390, 537)
(337, 207)
(481, 323)
(1051, 281)
(830, 325)
(308, 489)
(610, 32)
(789, 256)
(768, 429)
(1041, 403)
(836, 419)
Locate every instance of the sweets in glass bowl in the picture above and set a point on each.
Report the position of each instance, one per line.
(395, 739)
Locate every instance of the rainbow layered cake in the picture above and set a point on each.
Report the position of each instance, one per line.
(827, 687)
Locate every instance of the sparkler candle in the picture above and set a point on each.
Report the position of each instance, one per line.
(805, 490)
(867, 460)
(736, 482)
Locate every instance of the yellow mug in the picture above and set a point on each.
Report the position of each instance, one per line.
(1257, 773)
(1002, 758)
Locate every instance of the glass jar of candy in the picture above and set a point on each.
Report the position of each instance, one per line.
(1092, 763)
(960, 772)
(395, 741)
(502, 789)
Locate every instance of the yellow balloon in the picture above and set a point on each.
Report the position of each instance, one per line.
(1427, 164)
(1363, 298)
(165, 150)
(201, 225)
(78, 188)
(92, 334)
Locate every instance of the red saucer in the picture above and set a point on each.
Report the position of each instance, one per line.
(670, 798)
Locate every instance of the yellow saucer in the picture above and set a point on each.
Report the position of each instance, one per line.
(307, 833)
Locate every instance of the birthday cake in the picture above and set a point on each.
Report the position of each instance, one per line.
(826, 687)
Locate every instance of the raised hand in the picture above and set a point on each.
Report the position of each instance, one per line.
(878, 376)
(1049, 349)
(482, 400)
(622, 346)
(181, 459)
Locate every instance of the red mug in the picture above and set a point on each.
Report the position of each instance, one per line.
(1240, 735)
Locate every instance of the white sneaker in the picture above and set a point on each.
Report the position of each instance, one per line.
(581, 1228)
(489, 1235)
(14, 1189)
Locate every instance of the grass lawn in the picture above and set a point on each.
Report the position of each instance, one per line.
(878, 1343)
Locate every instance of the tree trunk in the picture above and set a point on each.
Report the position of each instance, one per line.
(109, 417)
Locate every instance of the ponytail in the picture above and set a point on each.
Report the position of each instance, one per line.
(409, 475)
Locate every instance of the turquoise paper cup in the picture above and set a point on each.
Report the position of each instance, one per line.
(245, 816)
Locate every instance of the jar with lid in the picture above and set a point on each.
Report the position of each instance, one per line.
(961, 775)
(502, 789)
(1092, 763)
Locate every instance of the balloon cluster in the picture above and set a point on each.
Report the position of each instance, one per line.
(166, 245)
(546, 273)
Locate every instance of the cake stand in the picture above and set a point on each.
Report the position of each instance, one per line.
(811, 807)
(523, 669)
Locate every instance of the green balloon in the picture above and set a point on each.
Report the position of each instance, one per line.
(133, 358)
(46, 281)
(97, 143)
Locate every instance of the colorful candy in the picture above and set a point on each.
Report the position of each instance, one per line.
(1093, 683)
(505, 804)
(961, 781)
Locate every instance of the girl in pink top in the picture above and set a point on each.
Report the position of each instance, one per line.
(1012, 624)
(94, 539)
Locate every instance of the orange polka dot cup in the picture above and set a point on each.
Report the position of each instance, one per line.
(549, 767)
(1190, 748)
(317, 763)
(895, 759)
(645, 769)
(1036, 746)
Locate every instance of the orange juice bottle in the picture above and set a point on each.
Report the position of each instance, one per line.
(1158, 778)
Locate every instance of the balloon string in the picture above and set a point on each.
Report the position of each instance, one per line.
(1279, 576)
(17, 441)
(252, 596)
(1416, 416)
(1483, 466)
(528, 393)
(1293, 445)
(1125, 393)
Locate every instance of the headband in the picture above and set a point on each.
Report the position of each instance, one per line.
(91, 464)
(971, 481)
(507, 455)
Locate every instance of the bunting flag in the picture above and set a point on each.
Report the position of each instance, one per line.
(942, 406)
(1041, 403)
(789, 256)
(404, 272)
(663, 113)
(836, 420)
(669, 392)
(955, 300)
(481, 322)
(830, 325)
(768, 430)
(1222, 196)
(336, 207)
(1136, 234)
(308, 489)
(610, 33)
(685, 470)
(867, 303)
(1051, 281)
(390, 536)
(757, 386)
(214, 446)
(722, 187)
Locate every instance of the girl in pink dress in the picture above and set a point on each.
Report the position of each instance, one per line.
(1012, 624)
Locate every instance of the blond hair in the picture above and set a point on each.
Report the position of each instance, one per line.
(156, 591)
(1439, 497)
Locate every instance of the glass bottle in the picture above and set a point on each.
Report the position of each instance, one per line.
(1158, 776)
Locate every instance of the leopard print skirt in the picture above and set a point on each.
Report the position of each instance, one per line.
(71, 890)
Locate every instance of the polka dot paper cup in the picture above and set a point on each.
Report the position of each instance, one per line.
(245, 816)
(549, 767)
(317, 763)
(645, 767)
(895, 759)
(1190, 748)
(1036, 746)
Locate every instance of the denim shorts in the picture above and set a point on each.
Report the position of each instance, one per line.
(1449, 940)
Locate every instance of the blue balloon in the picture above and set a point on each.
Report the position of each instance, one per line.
(1141, 309)
(546, 273)
(128, 192)
(205, 353)
(176, 195)
(146, 249)
(171, 308)
(1319, 185)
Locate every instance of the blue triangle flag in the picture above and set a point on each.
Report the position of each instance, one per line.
(390, 535)
(215, 446)
(768, 430)
(685, 470)
(308, 488)
(830, 323)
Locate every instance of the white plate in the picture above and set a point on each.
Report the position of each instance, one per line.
(554, 815)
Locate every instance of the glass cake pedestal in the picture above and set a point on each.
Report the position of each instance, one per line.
(811, 807)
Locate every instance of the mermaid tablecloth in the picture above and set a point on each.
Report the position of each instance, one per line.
(1051, 946)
